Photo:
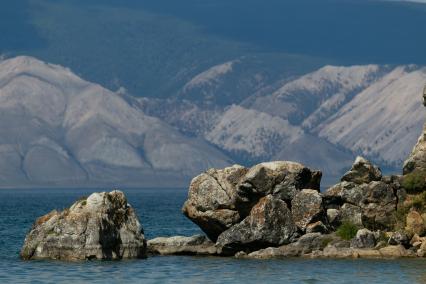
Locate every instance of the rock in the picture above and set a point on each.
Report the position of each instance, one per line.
(379, 206)
(269, 224)
(395, 251)
(362, 171)
(306, 244)
(333, 217)
(178, 245)
(103, 226)
(307, 207)
(220, 199)
(369, 205)
(400, 238)
(317, 227)
(332, 251)
(351, 213)
(282, 179)
(364, 239)
(211, 202)
(415, 223)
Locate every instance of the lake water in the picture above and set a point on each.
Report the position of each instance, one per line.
(159, 212)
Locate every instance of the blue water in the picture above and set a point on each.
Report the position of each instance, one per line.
(159, 211)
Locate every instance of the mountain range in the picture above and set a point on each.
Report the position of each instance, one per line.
(57, 129)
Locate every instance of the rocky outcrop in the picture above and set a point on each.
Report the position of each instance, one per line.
(103, 226)
(364, 198)
(179, 245)
(220, 199)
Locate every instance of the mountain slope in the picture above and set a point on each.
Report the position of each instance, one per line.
(383, 121)
(56, 128)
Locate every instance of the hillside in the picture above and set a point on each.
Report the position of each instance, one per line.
(57, 129)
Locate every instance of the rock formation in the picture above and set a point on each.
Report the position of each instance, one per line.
(220, 199)
(103, 226)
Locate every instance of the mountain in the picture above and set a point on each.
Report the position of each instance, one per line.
(323, 119)
(380, 122)
(57, 129)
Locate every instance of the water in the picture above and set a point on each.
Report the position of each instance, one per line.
(159, 211)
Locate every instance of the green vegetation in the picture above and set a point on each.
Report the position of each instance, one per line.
(415, 182)
(347, 230)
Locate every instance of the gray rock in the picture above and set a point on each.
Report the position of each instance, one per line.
(269, 224)
(352, 214)
(103, 226)
(179, 245)
(379, 206)
(364, 239)
(400, 238)
(211, 202)
(333, 217)
(362, 171)
(219, 199)
(307, 207)
(281, 178)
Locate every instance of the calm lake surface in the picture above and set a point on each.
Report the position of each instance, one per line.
(159, 212)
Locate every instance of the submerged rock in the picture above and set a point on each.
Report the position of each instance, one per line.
(103, 226)
(178, 245)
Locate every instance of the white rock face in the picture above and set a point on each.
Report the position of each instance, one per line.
(57, 128)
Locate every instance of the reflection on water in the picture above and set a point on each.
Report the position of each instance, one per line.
(160, 214)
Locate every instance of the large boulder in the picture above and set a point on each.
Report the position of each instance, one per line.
(212, 198)
(103, 226)
(270, 223)
(220, 199)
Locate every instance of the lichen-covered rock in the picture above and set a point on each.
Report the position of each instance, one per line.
(364, 239)
(211, 202)
(362, 171)
(317, 227)
(220, 199)
(179, 245)
(269, 224)
(306, 208)
(103, 226)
